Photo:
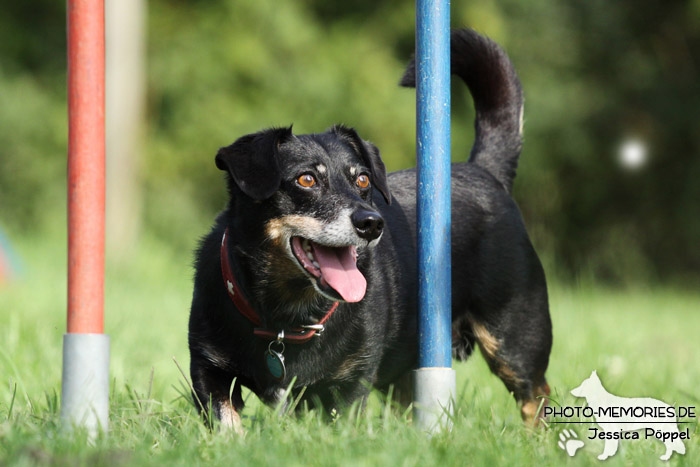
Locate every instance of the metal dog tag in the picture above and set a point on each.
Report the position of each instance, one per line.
(275, 360)
(275, 364)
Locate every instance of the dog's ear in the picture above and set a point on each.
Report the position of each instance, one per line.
(378, 170)
(370, 154)
(252, 162)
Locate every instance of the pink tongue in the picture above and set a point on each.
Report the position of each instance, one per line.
(339, 270)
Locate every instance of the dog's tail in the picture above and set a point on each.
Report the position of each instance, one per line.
(498, 99)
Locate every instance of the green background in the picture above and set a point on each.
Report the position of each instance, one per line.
(595, 73)
(620, 247)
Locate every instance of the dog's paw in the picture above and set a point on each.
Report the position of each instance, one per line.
(569, 442)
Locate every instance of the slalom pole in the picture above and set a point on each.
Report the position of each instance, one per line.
(85, 380)
(434, 380)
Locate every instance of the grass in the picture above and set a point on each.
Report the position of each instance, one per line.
(642, 342)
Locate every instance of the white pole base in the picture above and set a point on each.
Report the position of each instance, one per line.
(434, 392)
(85, 386)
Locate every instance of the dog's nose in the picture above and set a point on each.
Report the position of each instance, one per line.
(368, 224)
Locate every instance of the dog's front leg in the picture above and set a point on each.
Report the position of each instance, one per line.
(230, 418)
(227, 406)
(218, 393)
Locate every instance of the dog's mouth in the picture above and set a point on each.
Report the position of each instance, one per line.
(334, 269)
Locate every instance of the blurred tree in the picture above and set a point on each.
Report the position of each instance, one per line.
(636, 70)
(125, 69)
(33, 131)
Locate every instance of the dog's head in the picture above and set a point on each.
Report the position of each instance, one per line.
(310, 198)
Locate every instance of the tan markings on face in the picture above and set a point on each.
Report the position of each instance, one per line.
(230, 419)
(282, 272)
(283, 228)
(283, 269)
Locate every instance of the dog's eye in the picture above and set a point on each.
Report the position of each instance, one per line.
(306, 180)
(362, 181)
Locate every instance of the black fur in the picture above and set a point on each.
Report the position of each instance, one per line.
(498, 100)
(498, 285)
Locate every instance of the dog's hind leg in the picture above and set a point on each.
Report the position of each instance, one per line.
(519, 359)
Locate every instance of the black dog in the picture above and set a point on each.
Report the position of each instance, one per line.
(316, 237)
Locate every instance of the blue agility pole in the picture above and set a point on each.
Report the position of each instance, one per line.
(434, 380)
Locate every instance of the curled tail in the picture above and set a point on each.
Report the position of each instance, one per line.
(498, 99)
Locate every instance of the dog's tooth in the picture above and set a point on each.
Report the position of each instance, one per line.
(316, 265)
(309, 255)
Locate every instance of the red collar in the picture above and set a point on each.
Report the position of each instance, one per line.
(294, 336)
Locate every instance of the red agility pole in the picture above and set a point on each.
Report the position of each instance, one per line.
(86, 166)
(85, 397)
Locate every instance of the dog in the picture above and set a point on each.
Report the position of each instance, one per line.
(608, 409)
(309, 273)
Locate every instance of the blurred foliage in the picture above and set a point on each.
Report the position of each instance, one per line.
(595, 74)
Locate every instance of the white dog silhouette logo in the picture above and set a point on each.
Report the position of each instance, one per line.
(618, 416)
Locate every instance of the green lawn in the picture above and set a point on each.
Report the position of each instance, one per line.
(642, 342)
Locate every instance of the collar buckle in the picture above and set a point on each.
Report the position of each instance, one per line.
(319, 328)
